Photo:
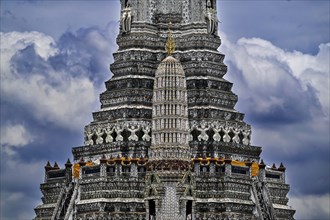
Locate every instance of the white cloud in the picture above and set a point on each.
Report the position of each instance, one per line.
(57, 83)
(313, 70)
(64, 104)
(270, 72)
(13, 137)
(285, 96)
(311, 207)
(12, 42)
(52, 95)
(274, 84)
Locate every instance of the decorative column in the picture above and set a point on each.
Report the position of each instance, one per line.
(212, 166)
(219, 164)
(134, 167)
(103, 166)
(196, 166)
(262, 171)
(68, 171)
(227, 166)
(48, 167)
(248, 163)
(82, 163)
(282, 169)
(118, 166)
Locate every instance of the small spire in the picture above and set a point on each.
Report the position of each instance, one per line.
(262, 165)
(48, 166)
(170, 43)
(274, 167)
(56, 167)
(281, 168)
(68, 163)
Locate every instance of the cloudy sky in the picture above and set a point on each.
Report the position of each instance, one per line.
(55, 56)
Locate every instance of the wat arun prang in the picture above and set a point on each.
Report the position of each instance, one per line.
(167, 142)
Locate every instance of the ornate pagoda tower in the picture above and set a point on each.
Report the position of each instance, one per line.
(167, 142)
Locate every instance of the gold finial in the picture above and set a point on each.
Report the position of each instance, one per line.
(170, 43)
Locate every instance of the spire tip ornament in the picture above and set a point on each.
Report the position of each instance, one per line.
(170, 43)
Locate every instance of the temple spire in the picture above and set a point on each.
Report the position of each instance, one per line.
(170, 43)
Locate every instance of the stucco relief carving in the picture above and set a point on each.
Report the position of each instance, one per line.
(212, 19)
(104, 133)
(222, 131)
(185, 11)
(119, 130)
(108, 132)
(217, 129)
(246, 133)
(236, 138)
(146, 131)
(133, 129)
(99, 133)
(88, 137)
(152, 10)
(203, 128)
(126, 18)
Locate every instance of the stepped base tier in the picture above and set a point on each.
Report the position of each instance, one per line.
(167, 142)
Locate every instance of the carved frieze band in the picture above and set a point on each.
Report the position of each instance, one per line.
(221, 131)
(199, 130)
(107, 133)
